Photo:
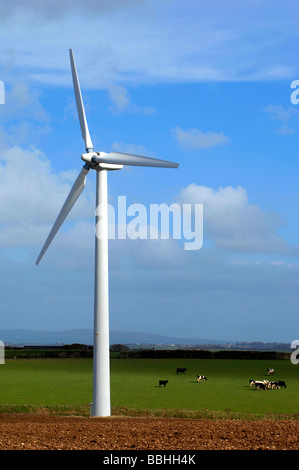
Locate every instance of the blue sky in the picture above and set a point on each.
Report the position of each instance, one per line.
(205, 84)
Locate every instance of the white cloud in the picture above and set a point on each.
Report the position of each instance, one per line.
(121, 102)
(285, 115)
(196, 139)
(232, 222)
(164, 255)
(23, 118)
(23, 102)
(135, 149)
(148, 42)
(55, 8)
(33, 195)
(119, 97)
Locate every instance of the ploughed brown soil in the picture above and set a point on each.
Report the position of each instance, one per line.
(46, 432)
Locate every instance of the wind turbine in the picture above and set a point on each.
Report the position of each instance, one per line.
(101, 162)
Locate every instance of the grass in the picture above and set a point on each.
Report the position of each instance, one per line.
(64, 386)
(45, 382)
(226, 390)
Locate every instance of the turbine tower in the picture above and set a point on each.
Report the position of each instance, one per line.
(101, 162)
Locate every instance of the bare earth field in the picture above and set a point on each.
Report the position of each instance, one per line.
(46, 432)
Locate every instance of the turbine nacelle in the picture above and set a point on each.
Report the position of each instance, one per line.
(90, 159)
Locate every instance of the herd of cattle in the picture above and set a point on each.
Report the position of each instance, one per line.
(267, 384)
(258, 384)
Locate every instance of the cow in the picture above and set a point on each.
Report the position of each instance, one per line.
(273, 384)
(259, 385)
(280, 383)
(263, 384)
(163, 382)
(180, 371)
(253, 382)
(201, 378)
(270, 371)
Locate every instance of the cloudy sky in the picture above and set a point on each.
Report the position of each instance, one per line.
(205, 84)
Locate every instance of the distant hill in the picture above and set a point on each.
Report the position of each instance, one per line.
(135, 339)
(31, 337)
(85, 336)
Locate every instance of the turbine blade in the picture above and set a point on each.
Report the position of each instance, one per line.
(134, 160)
(80, 106)
(74, 193)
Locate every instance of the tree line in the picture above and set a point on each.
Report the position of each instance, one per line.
(120, 351)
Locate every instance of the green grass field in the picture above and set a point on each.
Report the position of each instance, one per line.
(135, 385)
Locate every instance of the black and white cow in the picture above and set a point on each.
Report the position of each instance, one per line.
(201, 378)
(163, 382)
(270, 371)
(259, 384)
(253, 382)
(180, 371)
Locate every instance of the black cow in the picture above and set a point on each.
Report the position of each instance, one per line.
(180, 371)
(280, 383)
(163, 382)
